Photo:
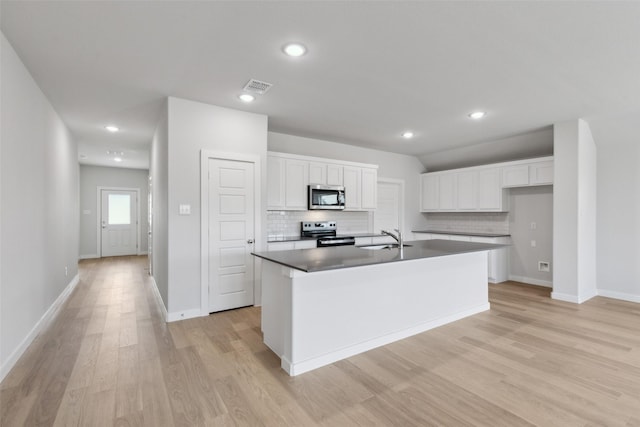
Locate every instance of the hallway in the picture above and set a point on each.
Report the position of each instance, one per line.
(109, 359)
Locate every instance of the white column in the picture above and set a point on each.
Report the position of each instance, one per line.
(574, 212)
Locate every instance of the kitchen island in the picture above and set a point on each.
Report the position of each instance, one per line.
(326, 304)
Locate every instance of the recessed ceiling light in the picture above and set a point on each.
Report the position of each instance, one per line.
(294, 49)
(112, 128)
(245, 97)
(407, 134)
(117, 159)
(477, 115)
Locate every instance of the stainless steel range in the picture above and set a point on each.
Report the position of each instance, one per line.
(326, 234)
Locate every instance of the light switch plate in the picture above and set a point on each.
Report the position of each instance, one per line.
(185, 209)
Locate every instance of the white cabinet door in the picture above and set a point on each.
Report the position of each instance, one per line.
(305, 244)
(296, 181)
(429, 186)
(317, 173)
(447, 192)
(275, 183)
(352, 188)
(541, 173)
(422, 236)
(497, 259)
(467, 191)
(459, 238)
(490, 193)
(515, 176)
(334, 175)
(369, 187)
(279, 246)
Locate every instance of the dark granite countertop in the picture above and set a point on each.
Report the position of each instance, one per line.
(332, 258)
(462, 233)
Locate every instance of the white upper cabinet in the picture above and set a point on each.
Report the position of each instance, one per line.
(467, 191)
(515, 176)
(541, 173)
(447, 191)
(352, 188)
(317, 173)
(531, 173)
(490, 193)
(429, 194)
(481, 188)
(288, 176)
(275, 183)
(335, 175)
(369, 189)
(296, 182)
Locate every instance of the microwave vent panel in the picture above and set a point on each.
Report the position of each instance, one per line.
(257, 86)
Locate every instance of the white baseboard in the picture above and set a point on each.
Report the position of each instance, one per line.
(156, 292)
(185, 314)
(618, 295)
(531, 281)
(44, 321)
(89, 256)
(576, 299)
(143, 253)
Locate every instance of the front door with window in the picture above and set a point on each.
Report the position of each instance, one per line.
(119, 223)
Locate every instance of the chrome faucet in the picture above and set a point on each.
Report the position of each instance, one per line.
(397, 238)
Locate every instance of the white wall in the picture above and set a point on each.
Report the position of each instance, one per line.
(391, 165)
(194, 126)
(574, 196)
(159, 173)
(618, 208)
(528, 205)
(92, 177)
(39, 196)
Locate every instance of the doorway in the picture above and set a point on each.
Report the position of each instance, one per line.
(230, 210)
(118, 227)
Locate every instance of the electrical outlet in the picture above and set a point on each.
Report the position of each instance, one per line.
(533, 244)
(543, 266)
(534, 225)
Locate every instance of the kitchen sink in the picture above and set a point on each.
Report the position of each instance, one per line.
(385, 246)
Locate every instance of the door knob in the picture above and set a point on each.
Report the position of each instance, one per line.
(250, 241)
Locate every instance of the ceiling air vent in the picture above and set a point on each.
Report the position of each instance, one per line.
(256, 86)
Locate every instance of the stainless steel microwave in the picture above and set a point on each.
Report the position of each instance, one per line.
(326, 197)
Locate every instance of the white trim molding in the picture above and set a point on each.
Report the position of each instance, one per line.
(42, 324)
(184, 315)
(576, 299)
(531, 281)
(89, 256)
(156, 292)
(619, 295)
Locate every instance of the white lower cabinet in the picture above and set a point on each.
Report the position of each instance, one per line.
(498, 259)
(287, 246)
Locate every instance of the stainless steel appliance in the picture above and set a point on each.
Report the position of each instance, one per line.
(330, 197)
(326, 234)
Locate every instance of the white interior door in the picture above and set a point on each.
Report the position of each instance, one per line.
(119, 222)
(389, 211)
(231, 234)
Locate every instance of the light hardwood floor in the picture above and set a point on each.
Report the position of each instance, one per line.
(109, 359)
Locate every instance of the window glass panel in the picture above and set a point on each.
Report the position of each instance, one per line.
(119, 209)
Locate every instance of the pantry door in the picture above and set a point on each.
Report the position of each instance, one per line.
(231, 211)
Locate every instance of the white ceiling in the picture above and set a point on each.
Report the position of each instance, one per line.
(373, 69)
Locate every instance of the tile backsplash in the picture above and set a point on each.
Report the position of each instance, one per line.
(489, 222)
(287, 223)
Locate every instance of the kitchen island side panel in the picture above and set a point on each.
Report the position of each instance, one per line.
(339, 313)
